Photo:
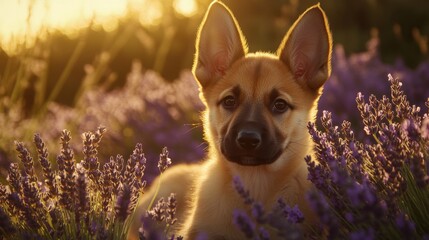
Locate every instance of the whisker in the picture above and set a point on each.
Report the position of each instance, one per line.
(193, 126)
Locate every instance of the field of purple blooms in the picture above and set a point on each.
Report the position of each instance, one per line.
(365, 72)
(147, 110)
(371, 171)
(374, 187)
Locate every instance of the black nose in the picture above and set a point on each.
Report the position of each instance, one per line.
(249, 139)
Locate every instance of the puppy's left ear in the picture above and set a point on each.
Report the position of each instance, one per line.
(219, 44)
(306, 48)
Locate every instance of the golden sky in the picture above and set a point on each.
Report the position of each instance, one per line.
(24, 19)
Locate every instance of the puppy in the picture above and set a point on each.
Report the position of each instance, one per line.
(257, 109)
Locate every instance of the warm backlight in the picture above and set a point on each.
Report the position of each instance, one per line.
(22, 21)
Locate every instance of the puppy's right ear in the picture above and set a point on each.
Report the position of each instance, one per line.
(219, 44)
(307, 48)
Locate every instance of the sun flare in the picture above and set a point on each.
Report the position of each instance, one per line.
(185, 7)
(25, 20)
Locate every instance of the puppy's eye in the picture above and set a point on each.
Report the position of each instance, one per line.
(229, 102)
(280, 106)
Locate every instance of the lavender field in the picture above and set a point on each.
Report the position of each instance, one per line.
(75, 155)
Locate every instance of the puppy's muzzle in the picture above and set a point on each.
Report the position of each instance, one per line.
(249, 144)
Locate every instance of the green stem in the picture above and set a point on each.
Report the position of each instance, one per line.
(376, 138)
(101, 66)
(158, 186)
(41, 88)
(65, 74)
(165, 46)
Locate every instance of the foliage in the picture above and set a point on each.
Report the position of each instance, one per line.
(157, 221)
(401, 26)
(283, 220)
(146, 109)
(363, 72)
(78, 199)
(376, 188)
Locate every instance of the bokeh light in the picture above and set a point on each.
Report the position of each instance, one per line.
(25, 20)
(185, 7)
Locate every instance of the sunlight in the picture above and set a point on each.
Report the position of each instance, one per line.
(150, 12)
(21, 22)
(79, 14)
(185, 7)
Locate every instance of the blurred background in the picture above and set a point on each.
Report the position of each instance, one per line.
(126, 65)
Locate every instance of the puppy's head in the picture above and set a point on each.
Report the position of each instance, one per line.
(258, 104)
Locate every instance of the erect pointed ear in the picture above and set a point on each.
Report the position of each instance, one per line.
(307, 48)
(219, 44)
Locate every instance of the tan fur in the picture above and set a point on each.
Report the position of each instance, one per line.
(297, 72)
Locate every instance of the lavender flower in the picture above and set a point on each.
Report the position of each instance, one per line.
(106, 187)
(66, 166)
(122, 207)
(171, 209)
(242, 221)
(31, 196)
(16, 203)
(293, 215)
(258, 213)
(317, 174)
(158, 113)
(164, 161)
(363, 72)
(5, 222)
(157, 212)
(367, 234)
(27, 161)
(81, 208)
(416, 159)
(245, 194)
(139, 157)
(425, 126)
(263, 234)
(46, 166)
(116, 167)
(90, 161)
(82, 198)
(405, 226)
(164, 215)
(148, 231)
(281, 218)
(134, 168)
(364, 189)
(320, 206)
(14, 178)
(3, 193)
(58, 224)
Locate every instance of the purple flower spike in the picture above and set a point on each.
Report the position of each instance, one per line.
(244, 223)
(406, 226)
(368, 234)
(425, 128)
(171, 209)
(245, 195)
(362, 186)
(164, 161)
(263, 234)
(293, 214)
(258, 213)
(122, 207)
